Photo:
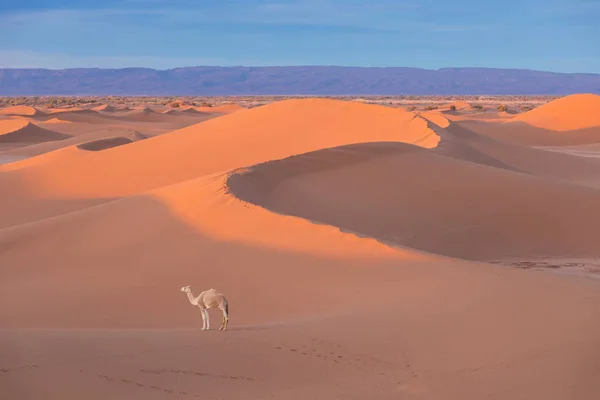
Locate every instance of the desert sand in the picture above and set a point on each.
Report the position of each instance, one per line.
(366, 251)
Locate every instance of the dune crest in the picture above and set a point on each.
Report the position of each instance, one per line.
(207, 205)
(111, 142)
(25, 111)
(105, 108)
(55, 121)
(70, 152)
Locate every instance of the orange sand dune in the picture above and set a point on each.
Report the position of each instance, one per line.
(69, 152)
(23, 131)
(308, 296)
(463, 144)
(331, 228)
(319, 307)
(145, 114)
(144, 109)
(274, 131)
(578, 111)
(105, 108)
(66, 110)
(55, 121)
(22, 111)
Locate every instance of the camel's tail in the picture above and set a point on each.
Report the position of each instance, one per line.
(227, 308)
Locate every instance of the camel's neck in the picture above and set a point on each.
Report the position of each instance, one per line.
(192, 299)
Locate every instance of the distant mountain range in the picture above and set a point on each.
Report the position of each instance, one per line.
(300, 80)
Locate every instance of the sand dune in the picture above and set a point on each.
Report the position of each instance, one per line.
(146, 114)
(87, 116)
(191, 110)
(569, 113)
(22, 131)
(459, 105)
(22, 111)
(463, 144)
(105, 108)
(337, 187)
(55, 121)
(274, 131)
(69, 109)
(349, 238)
(521, 133)
(37, 149)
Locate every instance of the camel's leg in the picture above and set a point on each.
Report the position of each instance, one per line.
(207, 319)
(203, 319)
(224, 320)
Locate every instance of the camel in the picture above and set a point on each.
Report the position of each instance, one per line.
(209, 299)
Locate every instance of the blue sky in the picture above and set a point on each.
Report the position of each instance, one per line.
(550, 35)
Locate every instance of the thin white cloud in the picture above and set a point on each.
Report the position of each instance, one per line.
(334, 13)
(31, 59)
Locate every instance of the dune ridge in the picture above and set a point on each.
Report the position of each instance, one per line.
(105, 108)
(25, 111)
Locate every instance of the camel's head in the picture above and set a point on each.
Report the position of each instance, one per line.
(186, 289)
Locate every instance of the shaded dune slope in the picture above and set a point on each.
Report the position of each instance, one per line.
(106, 143)
(464, 144)
(37, 149)
(23, 131)
(469, 211)
(88, 116)
(105, 108)
(521, 133)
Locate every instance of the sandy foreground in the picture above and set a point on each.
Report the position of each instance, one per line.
(366, 252)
